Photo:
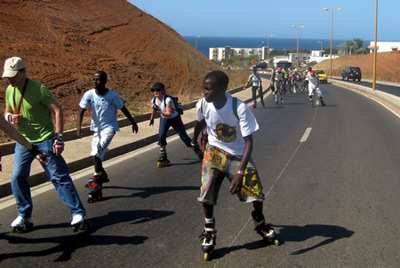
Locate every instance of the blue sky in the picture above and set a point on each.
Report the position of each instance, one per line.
(256, 18)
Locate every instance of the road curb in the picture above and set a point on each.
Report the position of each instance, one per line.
(39, 178)
(389, 101)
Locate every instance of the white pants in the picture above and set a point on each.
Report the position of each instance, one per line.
(100, 142)
(313, 88)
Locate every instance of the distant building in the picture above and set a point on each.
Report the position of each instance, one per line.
(223, 53)
(318, 56)
(302, 57)
(384, 46)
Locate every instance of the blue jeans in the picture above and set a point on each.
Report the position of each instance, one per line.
(56, 170)
(177, 124)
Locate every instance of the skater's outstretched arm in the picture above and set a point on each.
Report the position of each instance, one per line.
(198, 127)
(126, 112)
(236, 182)
(79, 123)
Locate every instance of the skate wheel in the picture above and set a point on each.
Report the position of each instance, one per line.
(276, 242)
(206, 256)
(158, 164)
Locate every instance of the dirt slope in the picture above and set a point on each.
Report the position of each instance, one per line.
(388, 67)
(66, 41)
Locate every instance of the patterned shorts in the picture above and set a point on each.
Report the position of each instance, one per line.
(217, 165)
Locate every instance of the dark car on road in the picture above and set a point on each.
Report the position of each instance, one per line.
(351, 73)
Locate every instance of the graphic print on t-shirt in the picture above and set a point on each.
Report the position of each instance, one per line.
(225, 133)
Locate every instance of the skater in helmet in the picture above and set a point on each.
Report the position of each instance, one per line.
(230, 126)
(167, 107)
(104, 104)
(256, 87)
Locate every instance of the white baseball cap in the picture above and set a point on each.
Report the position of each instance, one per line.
(12, 66)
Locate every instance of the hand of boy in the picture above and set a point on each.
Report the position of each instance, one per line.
(236, 184)
(135, 128)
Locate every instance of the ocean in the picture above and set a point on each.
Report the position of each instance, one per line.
(204, 43)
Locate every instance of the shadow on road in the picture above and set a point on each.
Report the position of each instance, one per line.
(302, 233)
(221, 252)
(68, 244)
(291, 233)
(145, 192)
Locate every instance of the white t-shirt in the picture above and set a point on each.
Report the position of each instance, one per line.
(163, 103)
(104, 109)
(255, 80)
(313, 82)
(225, 130)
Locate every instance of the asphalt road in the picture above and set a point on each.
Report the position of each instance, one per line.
(334, 198)
(394, 90)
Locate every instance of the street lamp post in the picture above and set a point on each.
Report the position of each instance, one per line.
(268, 44)
(333, 11)
(375, 47)
(297, 28)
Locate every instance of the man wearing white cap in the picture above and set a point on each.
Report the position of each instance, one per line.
(28, 106)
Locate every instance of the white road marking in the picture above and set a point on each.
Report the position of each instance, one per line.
(306, 135)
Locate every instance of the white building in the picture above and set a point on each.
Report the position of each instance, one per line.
(318, 56)
(223, 53)
(302, 57)
(384, 46)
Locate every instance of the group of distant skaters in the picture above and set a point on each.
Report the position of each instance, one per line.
(229, 125)
(285, 80)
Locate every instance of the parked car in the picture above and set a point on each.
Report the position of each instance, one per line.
(351, 73)
(322, 77)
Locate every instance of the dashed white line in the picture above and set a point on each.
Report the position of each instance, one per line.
(306, 135)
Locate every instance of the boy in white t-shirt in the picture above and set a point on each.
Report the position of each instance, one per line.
(230, 125)
(104, 104)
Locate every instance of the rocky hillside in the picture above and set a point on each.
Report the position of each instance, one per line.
(388, 68)
(65, 41)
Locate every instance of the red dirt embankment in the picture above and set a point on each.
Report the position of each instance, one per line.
(65, 41)
(388, 67)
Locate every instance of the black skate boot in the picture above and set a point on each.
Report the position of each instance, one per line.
(21, 225)
(163, 160)
(322, 101)
(208, 238)
(95, 187)
(103, 177)
(264, 230)
(197, 150)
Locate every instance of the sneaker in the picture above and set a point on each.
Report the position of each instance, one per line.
(77, 219)
(21, 224)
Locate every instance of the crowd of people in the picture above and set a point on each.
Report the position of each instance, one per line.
(226, 122)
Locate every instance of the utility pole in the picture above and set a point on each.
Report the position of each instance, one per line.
(375, 47)
(333, 10)
(297, 28)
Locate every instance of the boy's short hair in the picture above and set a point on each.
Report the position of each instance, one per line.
(220, 78)
(157, 87)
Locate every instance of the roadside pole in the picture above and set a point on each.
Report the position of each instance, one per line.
(375, 48)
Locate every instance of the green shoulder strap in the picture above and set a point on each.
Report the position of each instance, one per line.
(235, 106)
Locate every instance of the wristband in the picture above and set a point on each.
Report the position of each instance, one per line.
(59, 137)
(7, 117)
